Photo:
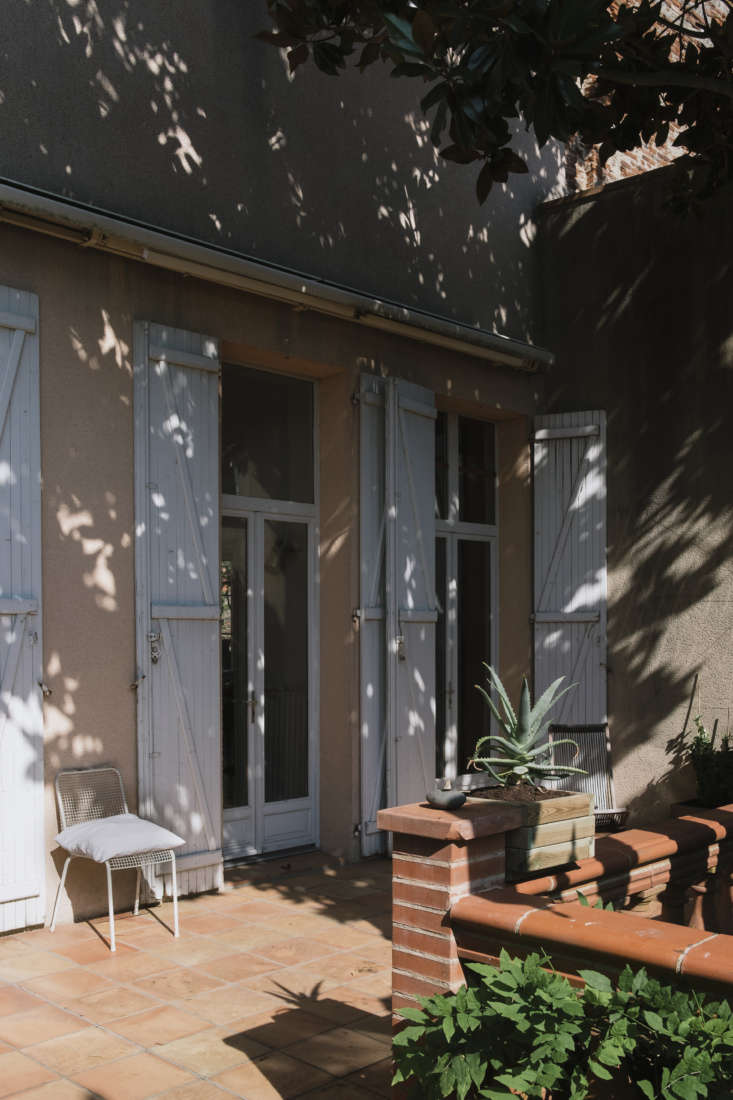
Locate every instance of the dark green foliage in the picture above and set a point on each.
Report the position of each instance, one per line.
(523, 1027)
(617, 75)
(713, 767)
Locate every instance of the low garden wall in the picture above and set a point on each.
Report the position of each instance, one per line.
(670, 889)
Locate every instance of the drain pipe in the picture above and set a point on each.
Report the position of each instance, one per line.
(29, 208)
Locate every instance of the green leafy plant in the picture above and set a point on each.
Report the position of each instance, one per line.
(522, 1029)
(713, 766)
(619, 75)
(524, 759)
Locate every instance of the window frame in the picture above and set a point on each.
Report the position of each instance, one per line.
(454, 530)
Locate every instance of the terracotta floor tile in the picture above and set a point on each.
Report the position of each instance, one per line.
(294, 951)
(170, 985)
(133, 1078)
(376, 949)
(340, 1090)
(376, 1027)
(297, 981)
(362, 1000)
(376, 1078)
(157, 1026)
(82, 1050)
(211, 924)
(86, 952)
(379, 985)
(112, 1004)
(5, 1048)
(130, 965)
(347, 938)
(212, 1051)
(197, 1090)
(41, 1023)
(249, 936)
(189, 952)
(68, 986)
(238, 967)
(260, 911)
(275, 1077)
(339, 1051)
(281, 1027)
(14, 1000)
(33, 964)
(231, 1002)
(58, 1090)
(18, 1072)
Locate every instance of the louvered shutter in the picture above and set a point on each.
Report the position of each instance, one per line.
(397, 613)
(177, 586)
(411, 612)
(21, 667)
(372, 637)
(569, 469)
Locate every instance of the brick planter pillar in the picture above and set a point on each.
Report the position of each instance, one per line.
(438, 857)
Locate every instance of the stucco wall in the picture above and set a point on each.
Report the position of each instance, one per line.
(637, 308)
(88, 302)
(173, 114)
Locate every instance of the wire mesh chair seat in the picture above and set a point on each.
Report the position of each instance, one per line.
(93, 794)
(593, 755)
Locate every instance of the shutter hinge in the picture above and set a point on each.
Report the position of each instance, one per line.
(356, 398)
(356, 616)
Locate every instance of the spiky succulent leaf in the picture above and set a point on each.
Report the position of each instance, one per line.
(524, 732)
(494, 710)
(502, 693)
(545, 702)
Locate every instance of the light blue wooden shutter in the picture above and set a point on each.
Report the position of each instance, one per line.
(177, 585)
(411, 611)
(372, 651)
(569, 469)
(21, 662)
(397, 612)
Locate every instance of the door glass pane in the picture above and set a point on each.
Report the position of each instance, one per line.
(286, 660)
(234, 678)
(440, 655)
(474, 643)
(267, 435)
(476, 471)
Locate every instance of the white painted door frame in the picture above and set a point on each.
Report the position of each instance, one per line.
(252, 824)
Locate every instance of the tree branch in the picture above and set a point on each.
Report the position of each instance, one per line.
(666, 78)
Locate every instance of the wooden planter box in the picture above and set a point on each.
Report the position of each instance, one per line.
(553, 833)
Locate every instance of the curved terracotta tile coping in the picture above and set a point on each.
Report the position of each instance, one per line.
(616, 938)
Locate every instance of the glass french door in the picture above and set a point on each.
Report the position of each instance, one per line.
(266, 680)
(268, 612)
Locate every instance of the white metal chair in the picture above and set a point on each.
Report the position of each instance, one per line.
(96, 794)
(594, 756)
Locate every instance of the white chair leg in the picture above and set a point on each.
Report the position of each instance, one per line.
(110, 903)
(136, 910)
(52, 926)
(174, 889)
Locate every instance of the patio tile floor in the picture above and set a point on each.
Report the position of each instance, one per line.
(279, 987)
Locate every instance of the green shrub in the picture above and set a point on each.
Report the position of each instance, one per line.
(523, 1029)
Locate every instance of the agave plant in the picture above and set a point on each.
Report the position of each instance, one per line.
(524, 759)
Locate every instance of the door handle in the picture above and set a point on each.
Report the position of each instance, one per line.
(252, 701)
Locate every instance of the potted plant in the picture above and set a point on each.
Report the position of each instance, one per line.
(713, 768)
(557, 827)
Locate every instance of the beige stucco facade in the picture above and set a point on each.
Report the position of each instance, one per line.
(88, 303)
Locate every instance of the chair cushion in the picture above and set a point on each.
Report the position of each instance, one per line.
(121, 835)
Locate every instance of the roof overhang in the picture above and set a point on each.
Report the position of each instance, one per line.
(89, 227)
